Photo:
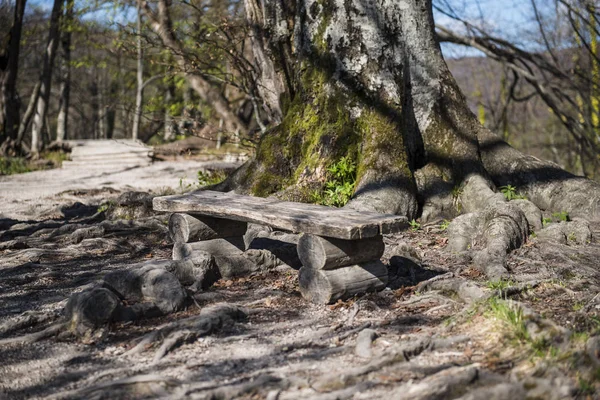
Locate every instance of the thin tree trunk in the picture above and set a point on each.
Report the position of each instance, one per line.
(9, 68)
(162, 26)
(170, 126)
(101, 108)
(93, 87)
(65, 83)
(29, 112)
(139, 95)
(41, 108)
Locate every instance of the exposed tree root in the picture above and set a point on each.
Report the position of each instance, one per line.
(26, 320)
(440, 385)
(153, 385)
(173, 335)
(353, 376)
(260, 384)
(545, 184)
(52, 330)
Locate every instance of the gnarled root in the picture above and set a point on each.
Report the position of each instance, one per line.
(173, 335)
(492, 228)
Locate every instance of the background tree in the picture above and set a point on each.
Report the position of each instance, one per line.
(65, 72)
(41, 105)
(10, 42)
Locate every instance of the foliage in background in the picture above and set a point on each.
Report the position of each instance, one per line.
(20, 165)
(13, 165)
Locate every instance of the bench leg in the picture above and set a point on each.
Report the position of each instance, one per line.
(336, 269)
(186, 228)
(328, 286)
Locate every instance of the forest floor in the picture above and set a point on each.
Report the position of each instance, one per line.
(439, 331)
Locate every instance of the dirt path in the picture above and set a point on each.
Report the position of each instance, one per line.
(23, 195)
(439, 331)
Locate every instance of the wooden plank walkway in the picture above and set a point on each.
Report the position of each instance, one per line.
(319, 220)
(108, 153)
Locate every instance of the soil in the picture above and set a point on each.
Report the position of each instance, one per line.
(442, 330)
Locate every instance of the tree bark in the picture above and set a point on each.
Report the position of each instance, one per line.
(65, 82)
(9, 68)
(39, 118)
(366, 81)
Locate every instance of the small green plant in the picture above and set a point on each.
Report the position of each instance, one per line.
(541, 346)
(572, 237)
(444, 225)
(502, 284)
(510, 193)
(456, 192)
(546, 221)
(56, 157)
(184, 186)
(561, 216)
(105, 206)
(585, 386)
(340, 186)
(414, 225)
(510, 316)
(210, 178)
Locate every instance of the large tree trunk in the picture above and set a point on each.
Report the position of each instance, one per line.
(367, 81)
(9, 68)
(39, 118)
(65, 69)
(359, 79)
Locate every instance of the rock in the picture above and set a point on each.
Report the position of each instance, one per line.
(163, 289)
(532, 213)
(131, 205)
(149, 283)
(282, 245)
(200, 271)
(90, 310)
(578, 230)
(553, 233)
(363, 343)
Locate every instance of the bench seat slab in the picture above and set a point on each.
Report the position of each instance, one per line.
(319, 220)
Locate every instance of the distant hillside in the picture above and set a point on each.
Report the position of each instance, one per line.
(530, 125)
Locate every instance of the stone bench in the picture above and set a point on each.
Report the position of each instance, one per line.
(340, 249)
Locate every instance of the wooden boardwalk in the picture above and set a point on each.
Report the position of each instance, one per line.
(106, 154)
